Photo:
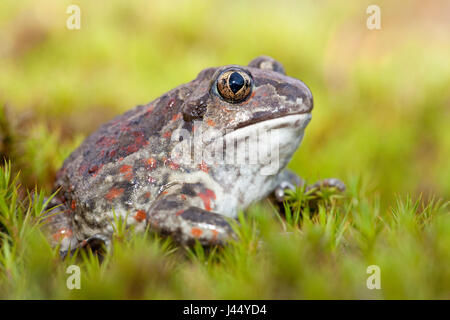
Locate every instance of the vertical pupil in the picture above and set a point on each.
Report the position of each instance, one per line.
(236, 82)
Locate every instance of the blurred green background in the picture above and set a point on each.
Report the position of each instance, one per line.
(382, 98)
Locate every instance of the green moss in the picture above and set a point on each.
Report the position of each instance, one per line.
(380, 123)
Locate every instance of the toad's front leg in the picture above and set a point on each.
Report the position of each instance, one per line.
(182, 211)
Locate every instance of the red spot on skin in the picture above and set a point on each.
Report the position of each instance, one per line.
(140, 215)
(132, 148)
(82, 169)
(179, 212)
(165, 192)
(210, 122)
(167, 134)
(174, 166)
(129, 176)
(206, 197)
(114, 193)
(106, 142)
(139, 141)
(73, 205)
(149, 111)
(125, 168)
(215, 233)
(171, 102)
(183, 197)
(124, 128)
(62, 233)
(95, 169)
(169, 163)
(203, 166)
(151, 163)
(120, 159)
(176, 116)
(147, 195)
(196, 232)
(101, 166)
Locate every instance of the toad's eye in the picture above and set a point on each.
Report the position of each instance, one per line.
(234, 85)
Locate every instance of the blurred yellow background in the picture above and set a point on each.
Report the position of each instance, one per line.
(382, 98)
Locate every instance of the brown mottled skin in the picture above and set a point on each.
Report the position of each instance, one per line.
(125, 168)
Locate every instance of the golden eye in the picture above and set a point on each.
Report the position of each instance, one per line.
(234, 85)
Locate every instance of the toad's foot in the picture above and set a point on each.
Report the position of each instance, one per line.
(98, 244)
(289, 181)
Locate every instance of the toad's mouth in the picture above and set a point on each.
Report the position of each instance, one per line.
(289, 128)
(268, 116)
(295, 121)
